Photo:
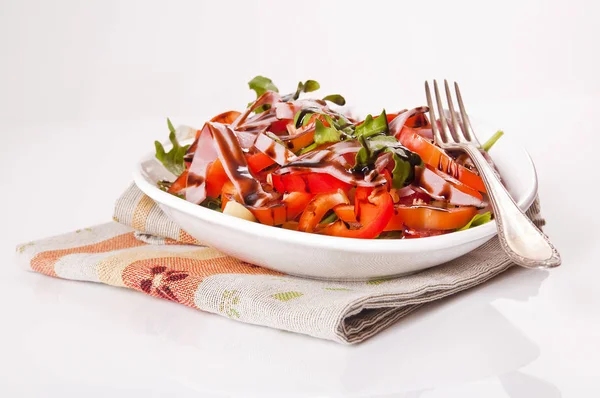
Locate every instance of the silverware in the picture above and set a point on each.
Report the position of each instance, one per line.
(524, 243)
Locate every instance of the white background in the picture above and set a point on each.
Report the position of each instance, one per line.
(85, 87)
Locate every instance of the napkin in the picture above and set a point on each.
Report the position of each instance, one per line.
(142, 249)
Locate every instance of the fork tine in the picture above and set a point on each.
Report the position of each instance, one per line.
(466, 124)
(443, 123)
(436, 134)
(455, 130)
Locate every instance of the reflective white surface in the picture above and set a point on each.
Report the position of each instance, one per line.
(107, 88)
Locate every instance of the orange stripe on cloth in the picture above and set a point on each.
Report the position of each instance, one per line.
(44, 262)
(141, 212)
(177, 278)
(186, 238)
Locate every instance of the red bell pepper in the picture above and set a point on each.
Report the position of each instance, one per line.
(314, 183)
(296, 202)
(375, 213)
(316, 209)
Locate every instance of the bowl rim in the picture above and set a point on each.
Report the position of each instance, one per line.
(323, 241)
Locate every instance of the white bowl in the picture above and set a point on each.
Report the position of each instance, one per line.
(328, 257)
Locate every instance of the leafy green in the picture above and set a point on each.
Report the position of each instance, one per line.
(326, 134)
(308, 148)
(262, 84)
(336, 99)
(404, 159)
(172, 160)
(164, 185)
(372, 126)
(371, 148)
(212, 203)
(306, 87)
(478, 219)
(390, 235)
(403, 171)
(275, 138)
(489, 143)
(329, 218)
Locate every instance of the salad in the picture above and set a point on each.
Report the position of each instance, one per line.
(300, 164)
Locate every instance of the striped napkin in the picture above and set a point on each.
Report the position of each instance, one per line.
(142, 249)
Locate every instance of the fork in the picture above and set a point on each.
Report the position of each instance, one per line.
(524, 243)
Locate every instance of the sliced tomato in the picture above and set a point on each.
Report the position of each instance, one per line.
(317, 207)
(437, 158)
(375, 213)
(425, 217)
(296, 202)
(258, 162)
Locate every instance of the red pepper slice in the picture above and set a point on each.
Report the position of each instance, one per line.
(375, 212)
(316, 209)
(296, 202)
(314, 183)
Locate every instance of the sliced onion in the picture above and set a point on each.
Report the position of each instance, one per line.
(399, 121)
(279, 153)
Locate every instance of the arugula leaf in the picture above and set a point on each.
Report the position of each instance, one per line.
(308, 148)
(172, 160)
(489, 143)
(477, 220)
(404, 159)
(403, 172)
(336, 99)
(371, 148)
(326, 134)
(306, 87)
(372, 126)
(311, 85)
(262, 84)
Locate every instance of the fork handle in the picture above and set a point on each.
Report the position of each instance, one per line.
(524, 243)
